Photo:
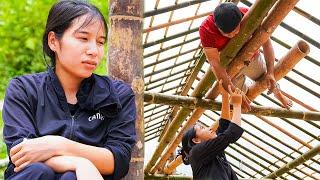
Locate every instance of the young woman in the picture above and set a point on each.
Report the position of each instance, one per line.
(67, 122)
(203, 148)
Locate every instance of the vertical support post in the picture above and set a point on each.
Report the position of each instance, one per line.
(126, 63)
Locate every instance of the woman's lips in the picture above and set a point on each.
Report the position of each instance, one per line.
(90, 64)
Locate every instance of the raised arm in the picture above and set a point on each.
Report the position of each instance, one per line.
(213, 57)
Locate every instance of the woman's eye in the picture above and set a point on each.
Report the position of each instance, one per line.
(101, 43)
(83, 38)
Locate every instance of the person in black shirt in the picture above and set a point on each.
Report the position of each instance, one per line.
(203, 147)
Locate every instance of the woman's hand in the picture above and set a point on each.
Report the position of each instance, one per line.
(83, 167)
(61, 164)
(236, 97)
(35, 150)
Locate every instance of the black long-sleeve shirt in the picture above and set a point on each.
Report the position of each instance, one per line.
(208, 160)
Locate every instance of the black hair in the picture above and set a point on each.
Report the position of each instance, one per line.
(61, 16)
(227, 17)
(187, 145)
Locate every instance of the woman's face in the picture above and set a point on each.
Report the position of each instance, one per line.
(80, 49)
(204, 133)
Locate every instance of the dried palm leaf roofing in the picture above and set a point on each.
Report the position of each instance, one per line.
(172, 54)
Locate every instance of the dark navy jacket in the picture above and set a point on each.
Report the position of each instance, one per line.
(208, 160)
(35, 105)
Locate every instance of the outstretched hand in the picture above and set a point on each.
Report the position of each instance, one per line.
(245, 101)
(236, 97)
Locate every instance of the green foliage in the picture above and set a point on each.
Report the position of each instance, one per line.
(22, 24)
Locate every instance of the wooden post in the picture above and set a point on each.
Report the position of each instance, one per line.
(125, 63)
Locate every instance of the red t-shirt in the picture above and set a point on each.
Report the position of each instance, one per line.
(210, 35)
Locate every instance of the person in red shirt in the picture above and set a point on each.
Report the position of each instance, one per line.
(216, 31)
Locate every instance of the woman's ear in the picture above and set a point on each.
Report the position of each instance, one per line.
(52, 41)
(196, 140)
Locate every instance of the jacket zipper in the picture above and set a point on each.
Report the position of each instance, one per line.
(72, 127)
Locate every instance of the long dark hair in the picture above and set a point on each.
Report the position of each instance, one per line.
(61, 16)
(187, 145)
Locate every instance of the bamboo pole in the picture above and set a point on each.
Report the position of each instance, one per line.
(175, 22)
(171, 57)
(256, 14)
(273, 155)
(173, 74)
(261, 35)
(292, 136)
(172, 8)
(152, 43)
(172, 165)
(170, 47)
(301, 159)
(159, 176)
(285, 64)
(125, 62)
(186, 88)
(207, 104)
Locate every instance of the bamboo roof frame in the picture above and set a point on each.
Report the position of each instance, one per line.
(191, 38)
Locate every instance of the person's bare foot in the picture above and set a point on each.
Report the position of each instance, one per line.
(286, 102)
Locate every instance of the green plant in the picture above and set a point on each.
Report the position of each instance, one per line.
(21, 27)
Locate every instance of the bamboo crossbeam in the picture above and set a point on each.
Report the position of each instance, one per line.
(171, 57)
(307, 15)
(256, 14)
(175, 22)
(194, 103)
(164, 83)
(159, 176)
(292, 136)
(302, 86)
(271, 153)
(169, 67)
(310, 59)
(277, 140)
(301, 159)
(172, 8)
(172, 166)
(152, 43)
(165, 77)
(170, 47)
(284, 65)
(187, 87)
(290, 28)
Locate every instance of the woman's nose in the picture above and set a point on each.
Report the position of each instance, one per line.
(92, 49)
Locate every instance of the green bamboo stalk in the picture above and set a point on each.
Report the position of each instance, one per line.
(194, 103)
(301, 159)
